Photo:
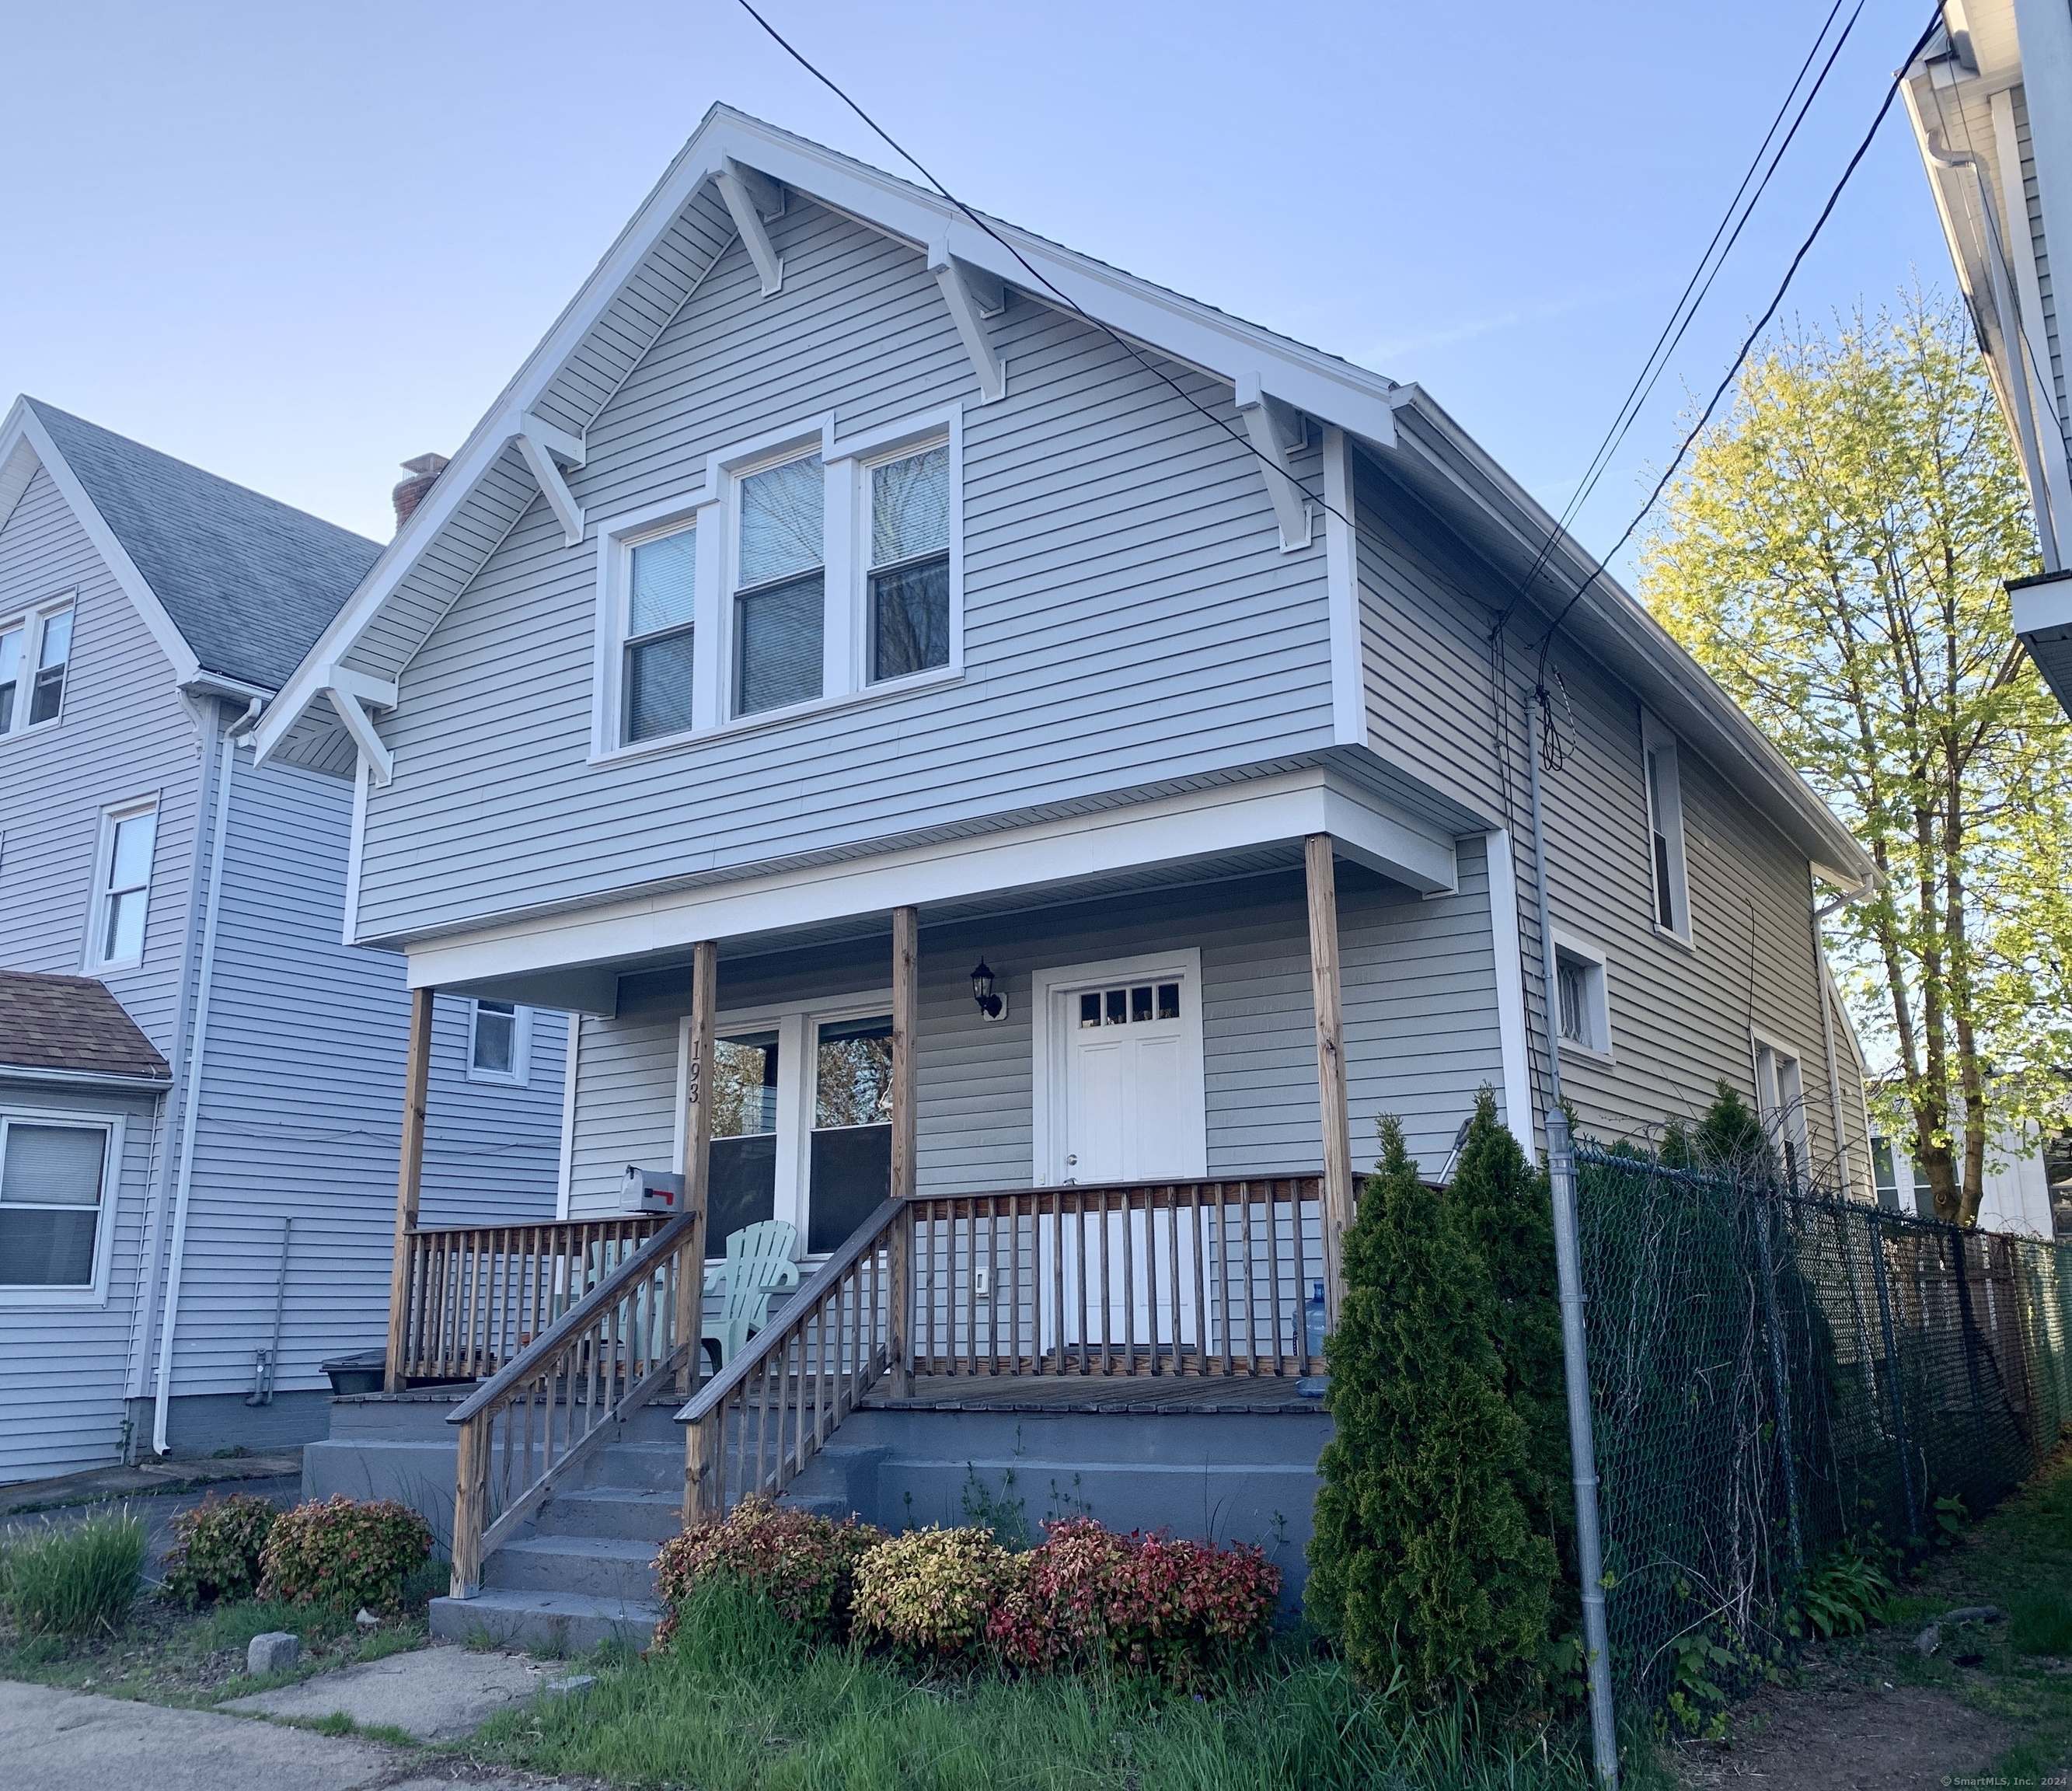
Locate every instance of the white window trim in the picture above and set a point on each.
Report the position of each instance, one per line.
(96, 1293)
(96, 908)
(712, 508)
(795, 1025)
(1782, 1117)
(1601, 1048)
(519, 1076)
(1657, 739)
(1050, 1038)
(32, 620)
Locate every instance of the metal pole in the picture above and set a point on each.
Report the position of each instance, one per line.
(1582, 1446)
(1550, 998)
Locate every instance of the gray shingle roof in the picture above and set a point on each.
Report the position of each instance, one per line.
(250, 582)
(70, 1023)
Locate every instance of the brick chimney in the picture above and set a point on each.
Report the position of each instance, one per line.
(423, 473)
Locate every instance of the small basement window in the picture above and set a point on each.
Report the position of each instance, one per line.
(1580, 1009)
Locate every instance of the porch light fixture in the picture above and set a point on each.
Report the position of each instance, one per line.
(993, 1006)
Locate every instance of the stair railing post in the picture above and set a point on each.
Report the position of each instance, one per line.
(471, 1494)
(409, 1178)
(905, 1022)
(696, 1172)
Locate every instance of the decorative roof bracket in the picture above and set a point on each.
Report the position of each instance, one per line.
(751, 198)
(1277, 429)
(973, 295)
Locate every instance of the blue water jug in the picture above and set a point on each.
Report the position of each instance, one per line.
(1312, 1324)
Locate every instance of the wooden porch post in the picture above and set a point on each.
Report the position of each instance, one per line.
(697, 1155)
(905, 1022)
(409, 1178)
(1321, 878)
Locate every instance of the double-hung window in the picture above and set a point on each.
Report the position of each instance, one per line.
(660, 627)
(35, 652)
(1780, 1096)
(122, 900)
(780, 592)
(53, 1185)
(1665, 829)
(910, 564)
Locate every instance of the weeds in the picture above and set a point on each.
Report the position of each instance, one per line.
(2040, 1622)
(79, 1579)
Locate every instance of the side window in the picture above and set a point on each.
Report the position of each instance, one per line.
(36, 653)
(1665, 826)
(122, 897)
(910, 564)
(1780, 1095)
(53, 1182)
(780, 587)
(662, 596)
(500, 1042)
(1581, 1008)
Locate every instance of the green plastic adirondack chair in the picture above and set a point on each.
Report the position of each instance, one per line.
(758, 1264)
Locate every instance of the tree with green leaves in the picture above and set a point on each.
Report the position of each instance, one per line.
(1836, 556)
(1433, 1562)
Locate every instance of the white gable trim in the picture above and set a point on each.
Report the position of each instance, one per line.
(25, 444)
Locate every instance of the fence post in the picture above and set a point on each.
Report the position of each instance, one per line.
(1968, 1336)
(1779, 1382)
(1582, 1446)
(1892, 1372)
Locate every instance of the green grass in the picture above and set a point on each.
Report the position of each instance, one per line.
(741, 1705)
(76, 1579)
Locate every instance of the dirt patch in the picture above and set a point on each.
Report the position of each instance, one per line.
(1846, 1739)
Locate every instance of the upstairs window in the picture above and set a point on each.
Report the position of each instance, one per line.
(910, 564)
(660, 627)
(500, 1038)
(129, 838)
(1665, 827)
(780, 596)
(35, 652)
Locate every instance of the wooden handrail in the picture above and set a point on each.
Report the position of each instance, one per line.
(602, 1356)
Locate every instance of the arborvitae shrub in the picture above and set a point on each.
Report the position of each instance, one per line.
(218, 1549)
(1427, 1559)
(1729, 1137)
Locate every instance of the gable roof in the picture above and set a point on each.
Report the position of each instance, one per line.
(245, 582)
(71, 1025)
(687, 222)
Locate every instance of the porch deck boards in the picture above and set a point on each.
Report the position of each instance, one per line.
(1139, 1393)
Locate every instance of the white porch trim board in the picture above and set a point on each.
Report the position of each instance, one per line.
(1288, 808)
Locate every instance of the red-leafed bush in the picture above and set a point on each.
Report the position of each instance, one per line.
(805, 1566)
(218, 1549)
(1147, 1603)
(353, 1553)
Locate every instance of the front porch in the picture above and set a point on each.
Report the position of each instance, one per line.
(1073, 1251)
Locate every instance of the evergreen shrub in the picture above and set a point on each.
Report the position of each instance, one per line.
(218, 1549)
(351, 1554)
(804, 1565)
(1434, 1562)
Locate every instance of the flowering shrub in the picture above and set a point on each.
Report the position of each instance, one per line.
(932, 1592)
(344, 1552)
(806, 1565)
(1149, 1603)
(217, 1548)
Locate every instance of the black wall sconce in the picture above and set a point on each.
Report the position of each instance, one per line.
(993, 1006)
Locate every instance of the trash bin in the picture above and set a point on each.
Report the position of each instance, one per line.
(367, 1372)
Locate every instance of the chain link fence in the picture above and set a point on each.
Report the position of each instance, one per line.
(1773, 1374)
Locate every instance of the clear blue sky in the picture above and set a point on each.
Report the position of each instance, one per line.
(298, 244)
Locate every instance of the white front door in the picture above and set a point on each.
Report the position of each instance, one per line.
(1126, 1062)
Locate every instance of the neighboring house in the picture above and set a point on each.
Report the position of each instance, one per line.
(1087, 741)
(2017, 1196)
(198, 1129)
(1991, 99)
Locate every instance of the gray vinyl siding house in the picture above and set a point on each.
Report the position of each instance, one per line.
(1208, 594)
(188, 600)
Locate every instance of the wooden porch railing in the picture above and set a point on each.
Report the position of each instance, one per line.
(1173, 1277)
(472, 1297)
(563, 1393)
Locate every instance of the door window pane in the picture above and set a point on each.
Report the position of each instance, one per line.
(1168, 1001)
(781, 520)
(778, 633)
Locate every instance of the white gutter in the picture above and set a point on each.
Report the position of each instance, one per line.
(191, 1112)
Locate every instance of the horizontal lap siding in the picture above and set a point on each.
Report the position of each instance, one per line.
(1421, 1029)
(62, 1368)
(1129, 616)
(302, 1104)
(124, 734)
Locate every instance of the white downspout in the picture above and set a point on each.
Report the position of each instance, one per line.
(196, 1057)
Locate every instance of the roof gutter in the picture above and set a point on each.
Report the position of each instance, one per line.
(114, 1081)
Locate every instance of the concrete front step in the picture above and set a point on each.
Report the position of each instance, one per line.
(546, 1623)
(589, 1567)
(634, 1514)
